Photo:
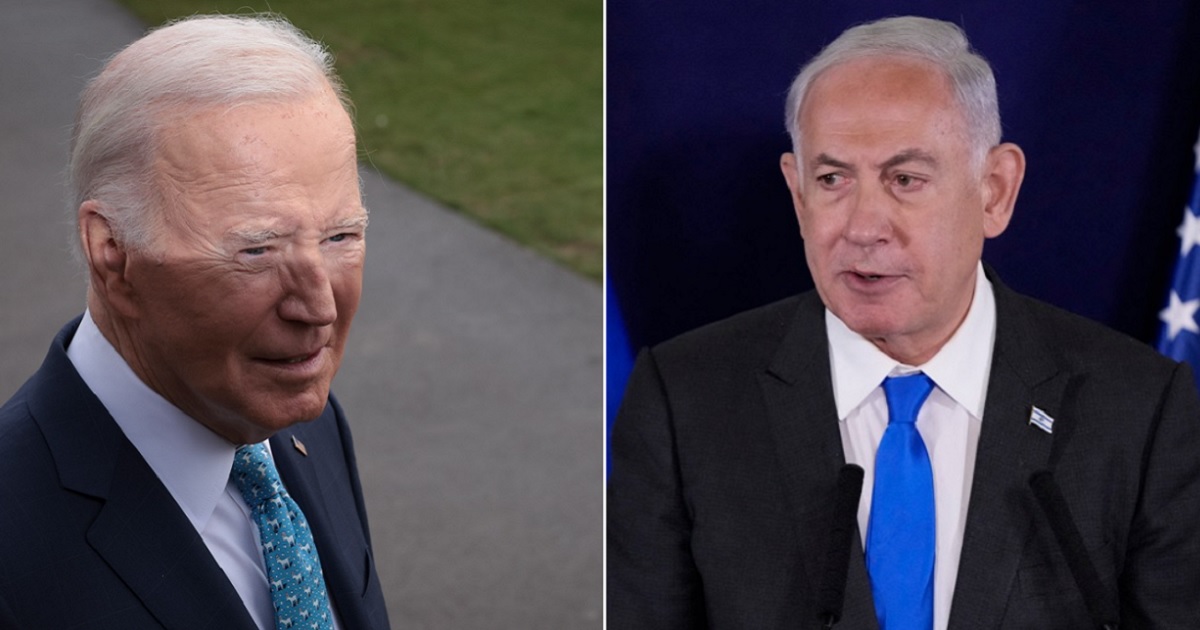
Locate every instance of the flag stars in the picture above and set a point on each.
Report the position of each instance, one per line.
(1180, 315)
(1189, 232)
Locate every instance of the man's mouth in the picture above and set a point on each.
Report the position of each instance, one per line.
(292, 360)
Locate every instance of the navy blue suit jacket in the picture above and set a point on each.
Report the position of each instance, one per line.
(90, 538)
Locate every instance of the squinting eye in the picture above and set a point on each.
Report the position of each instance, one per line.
(338, 238)
(254, 251)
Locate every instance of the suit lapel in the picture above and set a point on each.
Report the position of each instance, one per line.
(147, 540)
(1023, 375)
(139, 530)
(803, 422)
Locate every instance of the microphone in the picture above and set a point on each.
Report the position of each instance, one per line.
(1103, 611)
(837, 559)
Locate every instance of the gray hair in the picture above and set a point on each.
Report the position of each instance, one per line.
(941, 43)
(184, 66)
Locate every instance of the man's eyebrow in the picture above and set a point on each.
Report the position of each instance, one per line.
(355, 222)
(909, 155)
(825, 160)
(254, 236)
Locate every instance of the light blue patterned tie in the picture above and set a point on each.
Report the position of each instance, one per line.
(900, 534)
(293, 568)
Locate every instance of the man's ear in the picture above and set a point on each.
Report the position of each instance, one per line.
(791, 173)
(1004, 171)
(106, 258)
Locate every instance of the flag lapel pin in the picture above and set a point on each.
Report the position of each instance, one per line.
(1041, 420)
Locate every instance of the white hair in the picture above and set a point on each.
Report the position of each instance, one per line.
(942, 44)
(181, 67)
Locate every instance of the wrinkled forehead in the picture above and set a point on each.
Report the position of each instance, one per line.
(259, 159)
(254, 135)
(877, 94)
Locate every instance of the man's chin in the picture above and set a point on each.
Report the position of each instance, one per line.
(297, 410)
(869, 320)
(259, 422)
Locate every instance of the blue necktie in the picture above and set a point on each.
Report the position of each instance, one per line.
(293, 568)
(900, 534)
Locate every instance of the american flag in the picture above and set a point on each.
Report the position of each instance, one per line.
(1180, 336)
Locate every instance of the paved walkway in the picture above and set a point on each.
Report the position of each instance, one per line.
(472, 377)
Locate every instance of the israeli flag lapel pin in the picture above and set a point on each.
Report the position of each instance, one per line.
(1041, 420)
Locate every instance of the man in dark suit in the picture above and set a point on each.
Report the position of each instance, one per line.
(728, 447)
(178, 460)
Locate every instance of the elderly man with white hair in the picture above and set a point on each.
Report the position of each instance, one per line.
(178, 461)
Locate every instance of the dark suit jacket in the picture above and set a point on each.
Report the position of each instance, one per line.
(726, 453)
(90, 538)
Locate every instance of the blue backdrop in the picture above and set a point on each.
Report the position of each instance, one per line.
(1104, 97)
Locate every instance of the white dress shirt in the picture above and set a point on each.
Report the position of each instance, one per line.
(949, 422)
(189, 459)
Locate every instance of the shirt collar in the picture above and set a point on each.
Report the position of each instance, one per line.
(960, 369)
(190, 460)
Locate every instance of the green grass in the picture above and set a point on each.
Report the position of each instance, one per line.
(492, 108)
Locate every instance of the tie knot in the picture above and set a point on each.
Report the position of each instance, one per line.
(905, 395)
(255, 475)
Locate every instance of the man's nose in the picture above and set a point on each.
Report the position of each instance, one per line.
(309, 291)
(870, 216)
